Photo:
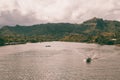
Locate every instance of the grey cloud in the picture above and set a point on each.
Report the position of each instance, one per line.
(81, 10)
(16, 17)
(113, 13)
(73, 11)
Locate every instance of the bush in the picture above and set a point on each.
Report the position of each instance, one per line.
(2, 42)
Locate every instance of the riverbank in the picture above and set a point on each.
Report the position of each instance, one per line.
(20, 43)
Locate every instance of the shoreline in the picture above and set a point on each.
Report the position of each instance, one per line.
(118, 45)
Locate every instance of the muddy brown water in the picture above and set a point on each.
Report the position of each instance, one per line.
(60, 61)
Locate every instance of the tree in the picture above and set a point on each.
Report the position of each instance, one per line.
(2, 42)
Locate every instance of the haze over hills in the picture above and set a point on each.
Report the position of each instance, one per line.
(94, 30)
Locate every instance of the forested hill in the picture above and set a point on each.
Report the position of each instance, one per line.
(42, 29)
(95, 30)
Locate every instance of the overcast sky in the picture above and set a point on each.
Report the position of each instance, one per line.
(28, 12)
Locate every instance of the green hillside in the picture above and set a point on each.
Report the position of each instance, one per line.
(95, 30)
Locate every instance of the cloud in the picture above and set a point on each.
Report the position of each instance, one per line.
(29, 12)
(15, 17)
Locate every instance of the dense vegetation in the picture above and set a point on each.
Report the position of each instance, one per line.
(95, 30)
(2, 42)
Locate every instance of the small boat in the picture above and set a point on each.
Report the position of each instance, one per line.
(47, 46)
(88, 60)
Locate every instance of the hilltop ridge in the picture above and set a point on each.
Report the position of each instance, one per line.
(95, 30)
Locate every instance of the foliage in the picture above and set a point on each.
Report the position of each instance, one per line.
(2, 42)
(95, 30)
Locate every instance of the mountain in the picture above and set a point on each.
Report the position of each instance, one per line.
(88, 31)
(42, 29)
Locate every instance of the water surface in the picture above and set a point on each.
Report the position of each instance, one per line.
(60, 61)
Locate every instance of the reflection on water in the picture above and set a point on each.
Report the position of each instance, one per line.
(61, 61)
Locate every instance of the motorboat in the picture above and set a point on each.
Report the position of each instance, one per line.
(88, 60)
(47, 46)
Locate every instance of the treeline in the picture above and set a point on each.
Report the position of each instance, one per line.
(102, 38)
(92, 31)
(12, 40)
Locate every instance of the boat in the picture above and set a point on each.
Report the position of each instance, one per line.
(47, 46)
(88, 60)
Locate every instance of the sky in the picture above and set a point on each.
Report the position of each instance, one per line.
(28, 12)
